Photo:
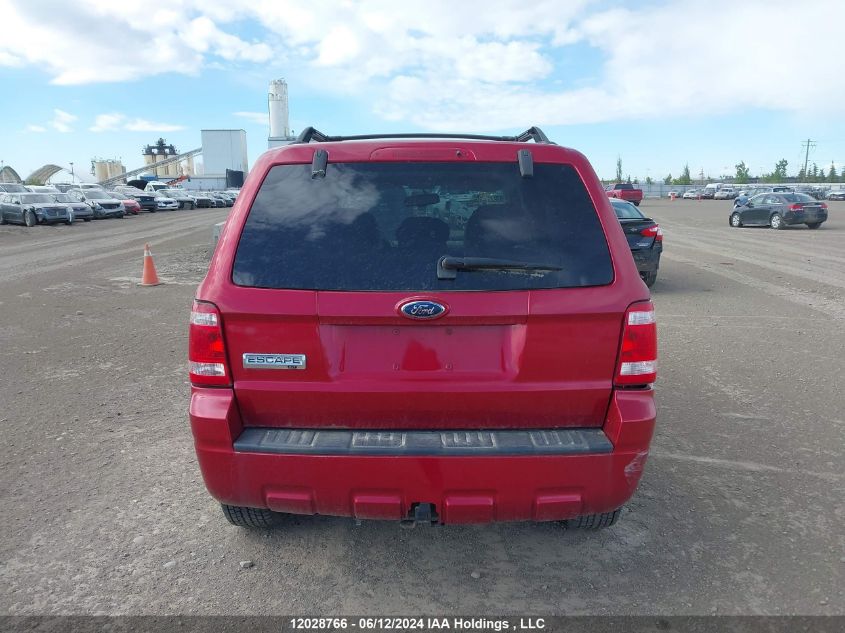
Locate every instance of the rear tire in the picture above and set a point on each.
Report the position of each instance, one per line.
(736, 220)
(249, 517)
(649, 278)
(776, 222)
(86, 219)
(813, 225)
(637, 203)
(29, 219)
(595, 521)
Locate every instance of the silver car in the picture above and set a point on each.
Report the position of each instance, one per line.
(102, 203)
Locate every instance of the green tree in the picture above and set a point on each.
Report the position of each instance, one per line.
(668, 180)
(822, 177)
(780, 170)
(618, 169)
(648, 180)
(802, 175)
(628, 179)
(684, 178)
(832, 176)
(741, 173)
(814, 173)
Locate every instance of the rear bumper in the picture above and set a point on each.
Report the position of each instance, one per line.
(464, 489)
(790, 217)
(647, 259)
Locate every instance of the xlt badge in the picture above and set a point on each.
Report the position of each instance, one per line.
(274, 361)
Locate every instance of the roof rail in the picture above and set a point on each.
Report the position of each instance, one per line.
(310, 134)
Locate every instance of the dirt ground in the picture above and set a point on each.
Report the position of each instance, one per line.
(740, 510)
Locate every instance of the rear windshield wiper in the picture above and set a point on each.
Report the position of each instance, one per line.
(448, 267)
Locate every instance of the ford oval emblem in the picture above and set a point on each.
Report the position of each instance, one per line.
(422, 310)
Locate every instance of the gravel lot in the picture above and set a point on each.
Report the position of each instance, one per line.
(740, 510)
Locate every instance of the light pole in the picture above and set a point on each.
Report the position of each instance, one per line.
(71, 173)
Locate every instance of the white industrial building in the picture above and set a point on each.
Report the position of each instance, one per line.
(277, 105)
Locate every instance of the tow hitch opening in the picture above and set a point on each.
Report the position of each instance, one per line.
(423, 514)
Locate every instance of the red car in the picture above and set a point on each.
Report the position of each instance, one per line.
(423, 328)
(131, 205)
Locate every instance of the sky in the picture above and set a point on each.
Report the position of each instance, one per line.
(659, 84)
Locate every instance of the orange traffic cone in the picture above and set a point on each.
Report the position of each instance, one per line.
(149, 276)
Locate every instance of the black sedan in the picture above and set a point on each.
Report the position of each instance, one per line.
(145, 199)
(81, 211)
(779, 210)
(203, 200)
(30, 209)
(645, 238)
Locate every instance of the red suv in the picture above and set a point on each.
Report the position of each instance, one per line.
(424, 328)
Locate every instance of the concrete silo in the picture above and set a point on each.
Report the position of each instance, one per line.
(277, 103)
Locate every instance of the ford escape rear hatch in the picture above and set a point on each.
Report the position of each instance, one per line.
(414, 295)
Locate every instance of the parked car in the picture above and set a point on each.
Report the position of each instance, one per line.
(164, 202)
(228, 197)
(79, 210)
(30, 209)
(129, 203)
(203, 200)
(182, 197)
(228, 201)
(215, 201)
(155, 185)
(725, 193)
(146, 200)
(463, 341)
(708, 193)
(11, 187)
(102, 203)
(219, 201)
(645, 239)
(819, 193)
(89, 186)
(673, 194)
(780, 210)
(835, 194)
(692, 194)
(49, 190)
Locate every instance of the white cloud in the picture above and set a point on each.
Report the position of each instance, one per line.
(114, 121)
(62, 120)
(471, 65)
(35, 128)
(142, 125)
(91, 41)
(107, 122)
(261, 118)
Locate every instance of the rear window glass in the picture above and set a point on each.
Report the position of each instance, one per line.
(798, 197)
(384, 226)
(626, 211)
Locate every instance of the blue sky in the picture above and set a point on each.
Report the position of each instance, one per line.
(659, 84)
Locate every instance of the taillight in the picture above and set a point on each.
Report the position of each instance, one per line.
(653, 231)
(796, 207)
(206, 349)
(823, 205)
(638, 354)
